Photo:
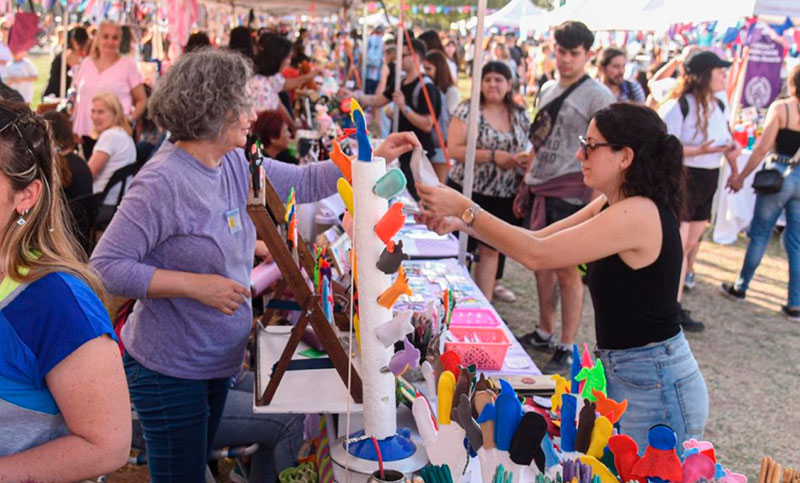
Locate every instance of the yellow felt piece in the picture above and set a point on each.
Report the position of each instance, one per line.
(599, 469)
(602, 431)
(346, 192)
(447, 387)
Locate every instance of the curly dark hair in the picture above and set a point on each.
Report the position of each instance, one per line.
(657, 170)
(274, 50)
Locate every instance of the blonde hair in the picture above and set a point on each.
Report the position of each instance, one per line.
(45, 243)
(95, 50)
(112, 103)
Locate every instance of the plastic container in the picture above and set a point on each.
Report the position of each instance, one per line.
(474, 318)
(489, 353)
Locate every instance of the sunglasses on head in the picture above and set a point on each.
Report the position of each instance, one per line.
(588, 146)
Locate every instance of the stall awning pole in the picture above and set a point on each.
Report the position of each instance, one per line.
(472, 123)
(398, 65)
(364, 48)
(62, 93)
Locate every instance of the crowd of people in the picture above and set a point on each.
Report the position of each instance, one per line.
(151, 183)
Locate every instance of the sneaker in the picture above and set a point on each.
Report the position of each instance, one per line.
(688, 282)
(689, 324)
(793, 314)
(503, 294)
(536, 341)
(729, 290)
(561, 363)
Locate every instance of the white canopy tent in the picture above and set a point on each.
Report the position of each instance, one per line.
(378, 18)
(511, 14)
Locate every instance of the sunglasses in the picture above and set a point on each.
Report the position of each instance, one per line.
(588, 147)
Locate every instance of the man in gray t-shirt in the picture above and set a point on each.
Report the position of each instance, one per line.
(557, 172)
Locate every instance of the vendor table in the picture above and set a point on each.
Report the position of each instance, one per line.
(735, 210)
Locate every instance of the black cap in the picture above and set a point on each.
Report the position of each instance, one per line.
(703, 61)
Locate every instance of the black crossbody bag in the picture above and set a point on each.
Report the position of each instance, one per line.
(545, 119)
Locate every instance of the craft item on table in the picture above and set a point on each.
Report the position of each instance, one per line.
(391, 222)
(696, 466)
(390, 260)
(484, 406)
(463, 416)
(526, 445)
(390, 184)
(601, 471)
(403, 360)
(585, 426)
(562, 387)
(342, 162)
(569, 408)
(463, 385)
(447, 386)
(610, 408)
(422, 169)
(436, 474)
(660, 459)
(327, 298)
(703, 447)
(356, 327)
(451, 362)
(502, 476)
(508, 411)
(626, 454)
(586, 363)
(324, 464)
(357, 116)
(550, 455)
(395, 330)
(400, 287)
(426, 422)
(603, 429)
(430, 378)
(348, 224)
(574, 370)
(484, 384)
(595, 379)
(346, 193)
(575, 470)
(727, 476)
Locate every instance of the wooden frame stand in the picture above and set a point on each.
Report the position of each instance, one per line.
(264, 216)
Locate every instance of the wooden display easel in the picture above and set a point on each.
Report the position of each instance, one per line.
(264, 217)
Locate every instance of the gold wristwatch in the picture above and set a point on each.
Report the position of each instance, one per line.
(468, 216)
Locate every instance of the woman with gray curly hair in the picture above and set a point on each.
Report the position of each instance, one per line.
(182, 245)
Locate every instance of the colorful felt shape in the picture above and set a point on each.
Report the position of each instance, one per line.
(463, 416)
(697, 466)
(609, 408)
(447, 386)
(291, 202)
(703, 447)
(463, 385)
(569, 408)
(426, 423)
(484, 384)
(342, 161)
(508, 415)
(396, 329)
(626, 455)
(600, 470)
(551, 458)
(406, 359)
(526, 444)
(574, 370)
(585, 425)
(562, 387)
(430, 378)
(357, 116)
(660, 459)
(390, 184)
(346, 193)
(484, 404)
(390, 223)
(390, 260)
(451, 361)
(400, 287)
(603, 429)
(730, 477)
(595, 379)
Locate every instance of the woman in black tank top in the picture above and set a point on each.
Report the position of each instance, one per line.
(630, 238)
(782, 136)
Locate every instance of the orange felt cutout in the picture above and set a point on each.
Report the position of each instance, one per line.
(609, 408)
(398, 288)
(390, 224)
(342, 162)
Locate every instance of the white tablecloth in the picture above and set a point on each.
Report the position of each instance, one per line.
(735, 210)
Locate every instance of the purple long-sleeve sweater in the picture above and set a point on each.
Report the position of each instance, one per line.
(175, 217)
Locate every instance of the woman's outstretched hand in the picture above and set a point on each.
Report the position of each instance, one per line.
(441, 201)
(396, 145)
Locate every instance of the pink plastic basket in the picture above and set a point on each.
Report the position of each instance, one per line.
(474, 318)
(489, 353)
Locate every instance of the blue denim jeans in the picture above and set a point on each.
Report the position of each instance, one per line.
(768, 209)
(662, 384)
(279, 435)
(179, 419)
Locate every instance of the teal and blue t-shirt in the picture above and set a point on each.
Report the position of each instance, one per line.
(41, 323)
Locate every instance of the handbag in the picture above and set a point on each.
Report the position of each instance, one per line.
(545, 119)
(769, 181)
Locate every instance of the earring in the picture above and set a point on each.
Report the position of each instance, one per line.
(21, 220)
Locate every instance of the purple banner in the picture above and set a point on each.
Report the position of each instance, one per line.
(762, 81)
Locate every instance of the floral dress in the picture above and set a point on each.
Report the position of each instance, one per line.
(265, 91)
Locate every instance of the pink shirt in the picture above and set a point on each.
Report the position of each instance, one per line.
(120, 79)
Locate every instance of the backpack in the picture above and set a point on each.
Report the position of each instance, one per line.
(442, 117)
(684, 105)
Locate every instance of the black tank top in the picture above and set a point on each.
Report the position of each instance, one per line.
(633, 308)
(787, 142)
